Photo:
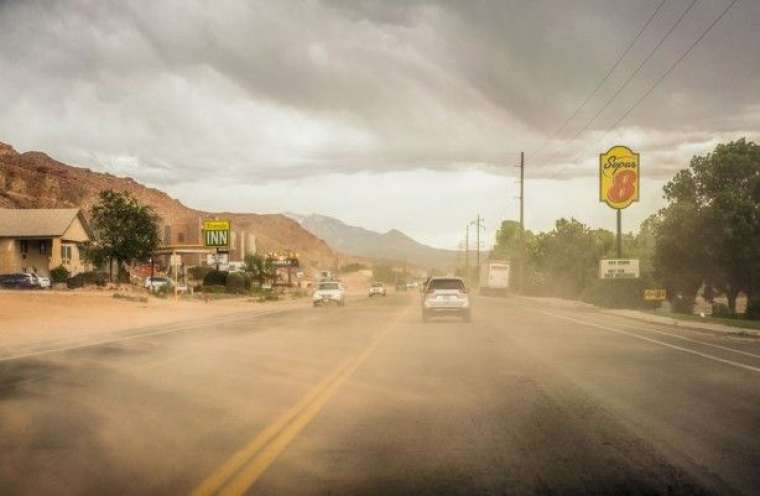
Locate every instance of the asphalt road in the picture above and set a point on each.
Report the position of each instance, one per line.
(366, 399)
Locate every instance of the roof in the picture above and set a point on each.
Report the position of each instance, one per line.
(17, 222)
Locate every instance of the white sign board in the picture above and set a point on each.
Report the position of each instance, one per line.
(223, 259)
(619, 269)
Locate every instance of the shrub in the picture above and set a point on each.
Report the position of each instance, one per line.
(215, 278)
(87, 279)
(60, 274)
(235, 283)
(753, 309)
(616, 293)
(722, 311)
(215, 289)
(198, 273)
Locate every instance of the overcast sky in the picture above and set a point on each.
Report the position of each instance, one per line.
(404, 114)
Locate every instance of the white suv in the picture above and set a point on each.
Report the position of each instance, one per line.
(329, 292)
(377, 289)
(445, 296)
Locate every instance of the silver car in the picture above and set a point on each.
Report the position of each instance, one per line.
(445, 296)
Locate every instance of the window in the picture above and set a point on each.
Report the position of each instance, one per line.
(43, 247)
(66, 253)
(24, 245)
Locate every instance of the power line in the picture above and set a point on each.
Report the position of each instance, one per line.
(638, 69)
(660, 79)
(604, 79)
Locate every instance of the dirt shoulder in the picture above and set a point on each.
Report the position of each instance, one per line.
(33, 319)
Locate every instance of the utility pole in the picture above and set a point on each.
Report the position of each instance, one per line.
(522, 218)
(467, 253)
(478, 226)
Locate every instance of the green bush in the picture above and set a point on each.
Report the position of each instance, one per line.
(753, 309)
(215, 278)
(87, 279)
(235, 283)
(617, 293)
(722, 311)
(215, 289)
(60, 274)
(199, 272)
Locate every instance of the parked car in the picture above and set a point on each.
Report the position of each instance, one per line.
(157, 282)
(329, 292)
(445, 296)
(377, 289)
(19, 280)
(44, 281)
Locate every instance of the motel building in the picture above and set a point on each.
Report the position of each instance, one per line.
(39, 240)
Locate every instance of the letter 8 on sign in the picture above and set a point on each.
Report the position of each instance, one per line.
(619, 177)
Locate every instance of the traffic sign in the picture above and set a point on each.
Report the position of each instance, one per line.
(619, 177)
(619, 269)
(216, 233)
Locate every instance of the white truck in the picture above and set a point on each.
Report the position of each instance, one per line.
(494, 277)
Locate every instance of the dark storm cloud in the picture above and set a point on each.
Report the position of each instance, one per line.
(271, 90)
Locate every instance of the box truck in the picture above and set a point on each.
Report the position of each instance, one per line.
(494, 277)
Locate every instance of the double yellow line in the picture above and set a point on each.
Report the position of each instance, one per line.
(242, 470)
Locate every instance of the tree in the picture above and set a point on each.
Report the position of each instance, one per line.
(569, 255)
(123, 229)
(260, 268)
(711, 227)
(507, 247)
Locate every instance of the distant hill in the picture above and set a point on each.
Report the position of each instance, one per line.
(34, 180)
(392, 246)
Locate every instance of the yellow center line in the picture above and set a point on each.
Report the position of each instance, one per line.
(215, 481)
(261, 462)
(247, 465)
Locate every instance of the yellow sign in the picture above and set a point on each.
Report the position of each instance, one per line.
(619, 177)
(216, 233)
(655, 295)
(216, 225)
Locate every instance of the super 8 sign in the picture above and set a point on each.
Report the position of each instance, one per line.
(619, 177)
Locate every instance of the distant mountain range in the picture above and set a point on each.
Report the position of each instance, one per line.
(392, 246)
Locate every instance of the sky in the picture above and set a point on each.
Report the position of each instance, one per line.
(385, 114)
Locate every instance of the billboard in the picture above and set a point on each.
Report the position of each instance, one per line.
(619, 177)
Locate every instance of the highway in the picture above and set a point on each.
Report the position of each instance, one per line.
(529, 398)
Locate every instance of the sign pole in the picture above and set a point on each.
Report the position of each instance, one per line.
(619, 233)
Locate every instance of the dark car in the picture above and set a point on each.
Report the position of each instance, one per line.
(19, 280)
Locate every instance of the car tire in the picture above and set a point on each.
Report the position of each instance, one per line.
(315, 304)
(467, 317)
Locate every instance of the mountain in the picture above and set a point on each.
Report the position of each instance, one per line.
(392, 246)
(34, 180)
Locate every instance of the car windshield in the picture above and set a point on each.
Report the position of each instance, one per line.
(446, 284)
(563, 198)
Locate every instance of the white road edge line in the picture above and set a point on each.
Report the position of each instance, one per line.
(695, 341)
(655, 341)
(186, 328)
